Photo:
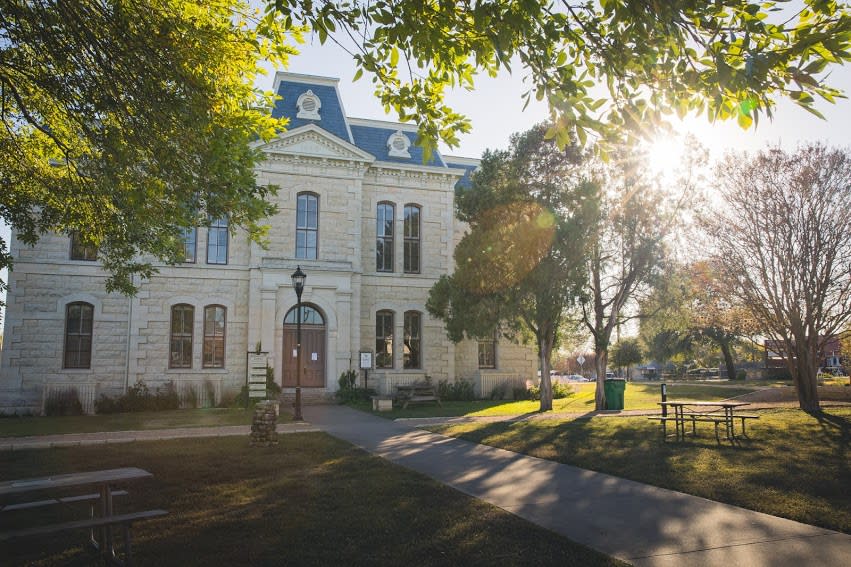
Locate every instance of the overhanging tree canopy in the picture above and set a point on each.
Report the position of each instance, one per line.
(724, 58)
(123, 120)
(127, 122)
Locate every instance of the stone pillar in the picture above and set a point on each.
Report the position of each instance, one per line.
(264, 424)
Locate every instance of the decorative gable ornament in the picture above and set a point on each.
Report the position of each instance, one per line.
(308, 106)
(398, 144)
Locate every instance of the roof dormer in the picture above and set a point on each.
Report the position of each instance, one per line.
(398, 144)
(308, 106)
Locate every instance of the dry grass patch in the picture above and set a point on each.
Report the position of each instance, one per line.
(311, 500)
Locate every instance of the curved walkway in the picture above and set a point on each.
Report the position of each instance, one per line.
(641, 524)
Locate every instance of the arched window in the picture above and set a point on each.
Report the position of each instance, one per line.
(412, 239)
(180, 349)
(307, 226)
(215, 318)
(79, 320)
(412, 347)
(309, 316)
(384, 339)
(217, 241)
(384, 237)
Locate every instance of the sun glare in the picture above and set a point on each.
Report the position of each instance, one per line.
(664, 155)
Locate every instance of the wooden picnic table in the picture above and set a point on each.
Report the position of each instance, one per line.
(417, 392)
(694, 411)
(102, 503)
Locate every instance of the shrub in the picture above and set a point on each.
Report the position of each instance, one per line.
(458, 391)
(63, 402)
(499, 391)
(273, 390)
(191, 397)
(520, 393)
(139, 398)
(349, 391)
(166, 398)
(241, 400)
(104, 405)
(210, 390)
(534, 392)
(561, 391)
(741, 374)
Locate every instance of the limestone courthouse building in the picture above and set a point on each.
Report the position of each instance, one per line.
(371, 225)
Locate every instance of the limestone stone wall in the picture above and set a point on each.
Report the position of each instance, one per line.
(199, 286)
(255, 285)
(35, 323)
(511, 358)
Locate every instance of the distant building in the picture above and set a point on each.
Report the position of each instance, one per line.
(371, 225)
(830, 357)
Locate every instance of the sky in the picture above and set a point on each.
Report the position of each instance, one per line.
(496, 111)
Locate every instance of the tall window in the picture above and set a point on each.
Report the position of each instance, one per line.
(214, 336)
(307, 226)
(384, 237)
(182, 318)
(412, 349)
(384, 339)
(412, 239)
(79, 319)
(82, 251)
(190, 238)
(487, 353)
(217, 241)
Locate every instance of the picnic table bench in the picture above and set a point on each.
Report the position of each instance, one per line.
(416, 393)
(704, 412)
(101, 518)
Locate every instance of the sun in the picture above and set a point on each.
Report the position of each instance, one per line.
(665, 155)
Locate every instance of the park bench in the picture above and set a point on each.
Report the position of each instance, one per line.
(101, 517)
(697, 413)
(416, 393)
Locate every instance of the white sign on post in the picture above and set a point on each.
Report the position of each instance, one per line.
(257, 375)
(365, 360)
(580, 359)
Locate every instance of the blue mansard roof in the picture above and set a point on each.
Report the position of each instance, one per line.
(369, 135)
(332, 116)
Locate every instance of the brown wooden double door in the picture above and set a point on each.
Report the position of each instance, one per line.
(312, 356)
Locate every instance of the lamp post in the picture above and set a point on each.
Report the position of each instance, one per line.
(298, 278)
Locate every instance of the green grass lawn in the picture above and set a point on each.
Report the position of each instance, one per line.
(30, 425)
(638, 395)
(310, 500)
(794, 465)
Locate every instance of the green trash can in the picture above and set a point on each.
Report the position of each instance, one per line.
(614, 389)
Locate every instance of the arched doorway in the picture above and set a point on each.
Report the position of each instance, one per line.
(312, 348)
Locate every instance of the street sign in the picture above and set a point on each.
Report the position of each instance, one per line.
(580, 359)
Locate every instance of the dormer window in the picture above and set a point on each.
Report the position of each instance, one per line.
(398, 144)
(308, 106)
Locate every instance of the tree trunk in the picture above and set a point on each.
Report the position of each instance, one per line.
(601, 360)
(728, 359)
(545, 348)
(805, 376)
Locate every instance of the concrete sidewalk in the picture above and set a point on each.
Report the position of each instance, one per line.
(641, 524)
(77, 439)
